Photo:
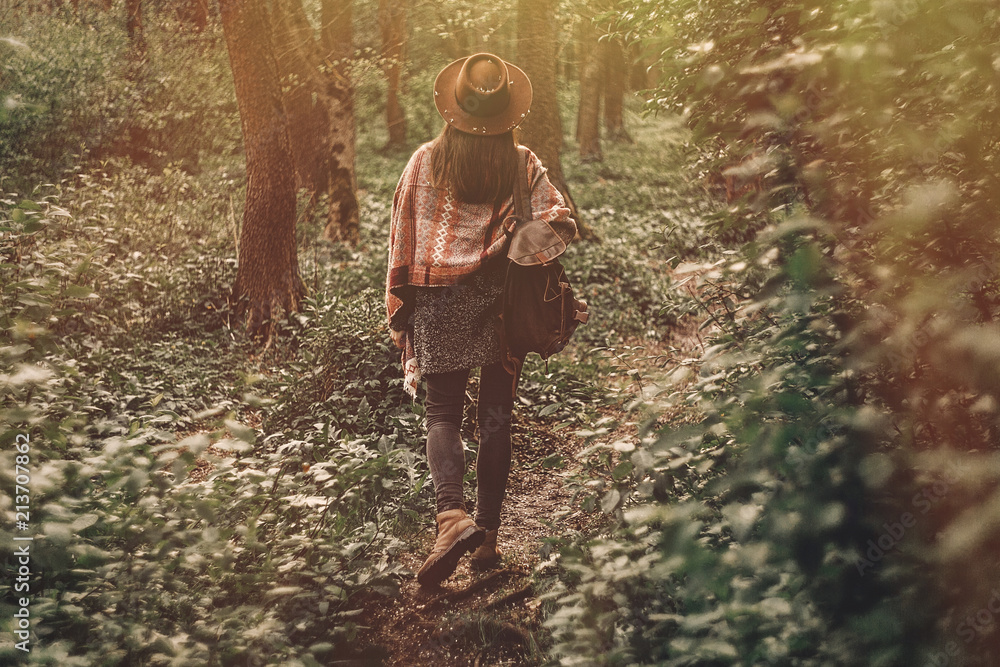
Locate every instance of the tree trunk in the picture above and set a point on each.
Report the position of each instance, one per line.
(392, 25)
(616, 73)
(135, 133)
(542, 130)
(319, 104)
(267, 284)
(640, 75)
(588, 119)
(133, 25)
(337, 33)
(337, 38)
(306, 120)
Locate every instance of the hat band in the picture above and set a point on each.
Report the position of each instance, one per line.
(482, 104)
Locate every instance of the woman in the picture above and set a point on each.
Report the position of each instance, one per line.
(447, 255)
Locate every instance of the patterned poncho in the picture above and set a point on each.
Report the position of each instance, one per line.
(435, 240)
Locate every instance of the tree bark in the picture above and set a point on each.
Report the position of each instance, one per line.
(133, 25)
(267, 284)
(318, 102)
(588, 119)
(337, 38)
(392, 25)
(616, 74)
(542, 130)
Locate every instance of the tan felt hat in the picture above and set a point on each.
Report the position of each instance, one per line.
(482, 94)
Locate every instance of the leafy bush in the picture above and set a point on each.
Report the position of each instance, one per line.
(847, 409)
(72, 87)
(346, 379)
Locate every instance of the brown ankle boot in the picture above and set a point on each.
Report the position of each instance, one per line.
(487, 556)
(457, 534)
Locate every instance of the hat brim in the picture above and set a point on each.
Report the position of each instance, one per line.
(453, 114)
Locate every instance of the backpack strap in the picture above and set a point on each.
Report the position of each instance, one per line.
(523, 202)
(522, 194)
(522, 214)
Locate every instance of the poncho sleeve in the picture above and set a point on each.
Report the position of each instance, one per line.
(398, 293)
(546, 201)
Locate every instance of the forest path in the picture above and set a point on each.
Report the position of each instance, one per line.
(495, 617)
(488, 618)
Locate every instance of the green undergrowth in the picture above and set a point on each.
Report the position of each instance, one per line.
(834, 499)
(817, 486)
(169, 525)
(76, 89)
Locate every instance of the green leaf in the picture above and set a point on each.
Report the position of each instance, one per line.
(77, 292)
(83, 522)
(241, 431)
(549, 409)
(622, 470)
(282, 591)
(610, 501)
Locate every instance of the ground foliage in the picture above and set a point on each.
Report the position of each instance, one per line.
(850, 406)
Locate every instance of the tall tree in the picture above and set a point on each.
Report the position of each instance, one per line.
(133, 24)
(318, 102)
(392, 26)
(616, 74)
(588, 119)
(267, 282)
(542, 130)
(337, 38)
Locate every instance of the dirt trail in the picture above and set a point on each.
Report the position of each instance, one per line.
(486, 618)
(494, 618)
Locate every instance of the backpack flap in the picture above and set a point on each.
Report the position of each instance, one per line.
(538, 242)
(533, 242)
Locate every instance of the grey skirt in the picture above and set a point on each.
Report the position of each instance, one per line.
(455, 327)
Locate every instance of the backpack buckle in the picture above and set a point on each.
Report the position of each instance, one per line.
(509, 223)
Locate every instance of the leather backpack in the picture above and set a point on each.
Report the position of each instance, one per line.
(539, 312)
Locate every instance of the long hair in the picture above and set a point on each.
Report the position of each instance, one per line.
(477, 169)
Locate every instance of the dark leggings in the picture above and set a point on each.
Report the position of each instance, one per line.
(445, 403)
